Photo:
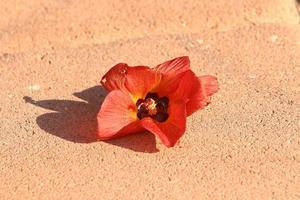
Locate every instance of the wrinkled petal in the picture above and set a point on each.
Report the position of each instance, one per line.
(114, 79)
(137, 81)
(168, 85)
(172, 70)
(171, 130)
(117, 116)
(207, 85)
(174, 66)
(141, 79)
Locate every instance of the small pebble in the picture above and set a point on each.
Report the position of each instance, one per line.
(34, 87)
(274, 38)
(200, 41)
(252, 76)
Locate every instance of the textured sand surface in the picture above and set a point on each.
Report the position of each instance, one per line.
(244, 145)
(32, 25)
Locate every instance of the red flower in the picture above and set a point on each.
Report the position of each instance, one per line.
(155, 99)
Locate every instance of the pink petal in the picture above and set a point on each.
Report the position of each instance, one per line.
(117, 116)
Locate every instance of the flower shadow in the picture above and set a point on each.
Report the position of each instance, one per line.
(76, 121)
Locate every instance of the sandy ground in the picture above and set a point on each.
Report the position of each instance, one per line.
(244, 145)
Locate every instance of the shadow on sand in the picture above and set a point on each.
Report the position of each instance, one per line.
(76, 121)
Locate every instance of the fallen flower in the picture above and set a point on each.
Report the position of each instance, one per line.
(155, 99)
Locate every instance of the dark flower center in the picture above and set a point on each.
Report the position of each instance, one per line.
(154, 107)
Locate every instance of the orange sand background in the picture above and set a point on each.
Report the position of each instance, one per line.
(244, 145)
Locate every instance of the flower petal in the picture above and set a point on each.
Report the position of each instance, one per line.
(207, 85)
(195, 91)
(132, 128)
(140, 80)
(171, 130)
(114, 79)
(173, 71)
(137, 81)
(187, 86)
(174, 66)
(117, 116)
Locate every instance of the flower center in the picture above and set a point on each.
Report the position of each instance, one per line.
(154, 107)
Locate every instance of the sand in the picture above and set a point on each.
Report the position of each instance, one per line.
(244, 145)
